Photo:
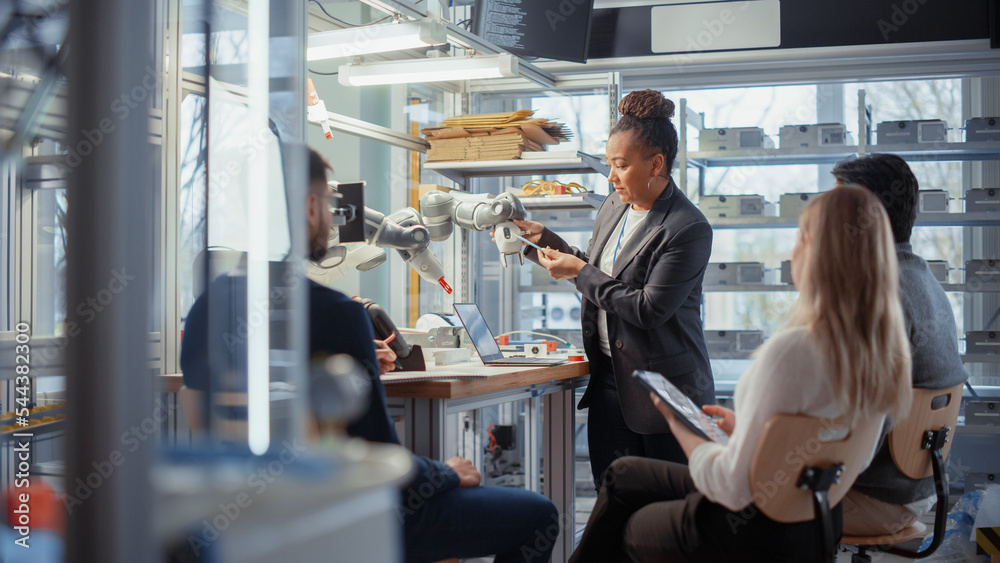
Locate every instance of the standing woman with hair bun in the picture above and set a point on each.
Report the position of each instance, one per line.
(641, 283)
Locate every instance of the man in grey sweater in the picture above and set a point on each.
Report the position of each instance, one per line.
(883, 500)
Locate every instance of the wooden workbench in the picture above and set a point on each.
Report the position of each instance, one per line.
(498, 379)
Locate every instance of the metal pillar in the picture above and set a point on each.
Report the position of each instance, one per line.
(559, 467)
(830, 108)
(287, 27)
(112, 80)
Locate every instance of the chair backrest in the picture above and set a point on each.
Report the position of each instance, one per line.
(907, 435)
(791, 442)
(192, 401)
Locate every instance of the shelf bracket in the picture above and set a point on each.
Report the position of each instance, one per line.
(374, 132)
(595, 162)
(453, 175)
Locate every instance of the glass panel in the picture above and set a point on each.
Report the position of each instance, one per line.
(191, 199)
(239, 283)
(766, 107)
(50, 253)
(228, 48)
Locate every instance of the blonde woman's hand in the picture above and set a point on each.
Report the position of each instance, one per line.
(684, 435)
(728, 418)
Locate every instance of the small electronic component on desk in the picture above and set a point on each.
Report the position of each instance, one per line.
(450, 356)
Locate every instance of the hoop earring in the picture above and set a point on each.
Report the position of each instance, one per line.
(649, 184)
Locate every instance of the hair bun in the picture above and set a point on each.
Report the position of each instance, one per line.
(644, 104)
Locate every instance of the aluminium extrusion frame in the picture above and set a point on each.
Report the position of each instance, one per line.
(378, 133)
(426, 433)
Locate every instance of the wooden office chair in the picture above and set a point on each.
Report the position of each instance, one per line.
(192, 402)
(804, 464)
(919, 444)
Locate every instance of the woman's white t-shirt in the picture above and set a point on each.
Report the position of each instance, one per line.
(619, 238)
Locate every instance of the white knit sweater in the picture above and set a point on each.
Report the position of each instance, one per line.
(790, 375)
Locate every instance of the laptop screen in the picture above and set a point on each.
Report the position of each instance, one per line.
(479, 332)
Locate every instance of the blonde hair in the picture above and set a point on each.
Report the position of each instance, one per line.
(849, 301)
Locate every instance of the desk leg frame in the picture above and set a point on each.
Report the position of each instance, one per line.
(424, 434)
(559, 467)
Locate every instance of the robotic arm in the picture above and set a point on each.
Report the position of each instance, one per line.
(316, 109)
(410, 232)
(403, 231)
(476, 212)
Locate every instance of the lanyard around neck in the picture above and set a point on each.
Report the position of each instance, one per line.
(620, 233)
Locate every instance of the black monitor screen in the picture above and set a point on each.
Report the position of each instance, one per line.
(550, 29)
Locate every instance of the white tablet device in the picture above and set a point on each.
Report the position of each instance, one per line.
(685, 409)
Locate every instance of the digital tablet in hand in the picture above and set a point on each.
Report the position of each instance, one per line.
(682, 406)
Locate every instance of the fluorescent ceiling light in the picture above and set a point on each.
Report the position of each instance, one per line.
(428, 70)
(370, 39)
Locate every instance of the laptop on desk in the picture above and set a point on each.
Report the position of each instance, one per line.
(486, 345)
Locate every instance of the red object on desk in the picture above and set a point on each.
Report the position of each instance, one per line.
(503, 340)
(44, 509)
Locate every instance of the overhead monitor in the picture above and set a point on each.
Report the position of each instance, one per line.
(548, 29)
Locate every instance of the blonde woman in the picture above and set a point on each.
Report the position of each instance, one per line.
(843, 351)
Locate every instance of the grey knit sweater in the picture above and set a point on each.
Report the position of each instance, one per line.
(930, 326)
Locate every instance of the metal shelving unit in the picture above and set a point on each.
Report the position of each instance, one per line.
(748, 288)
(700, 161)
(830, 155)
(923, 220)
(568, 202)
(773, 287)
(980, 359)
(459, 172)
